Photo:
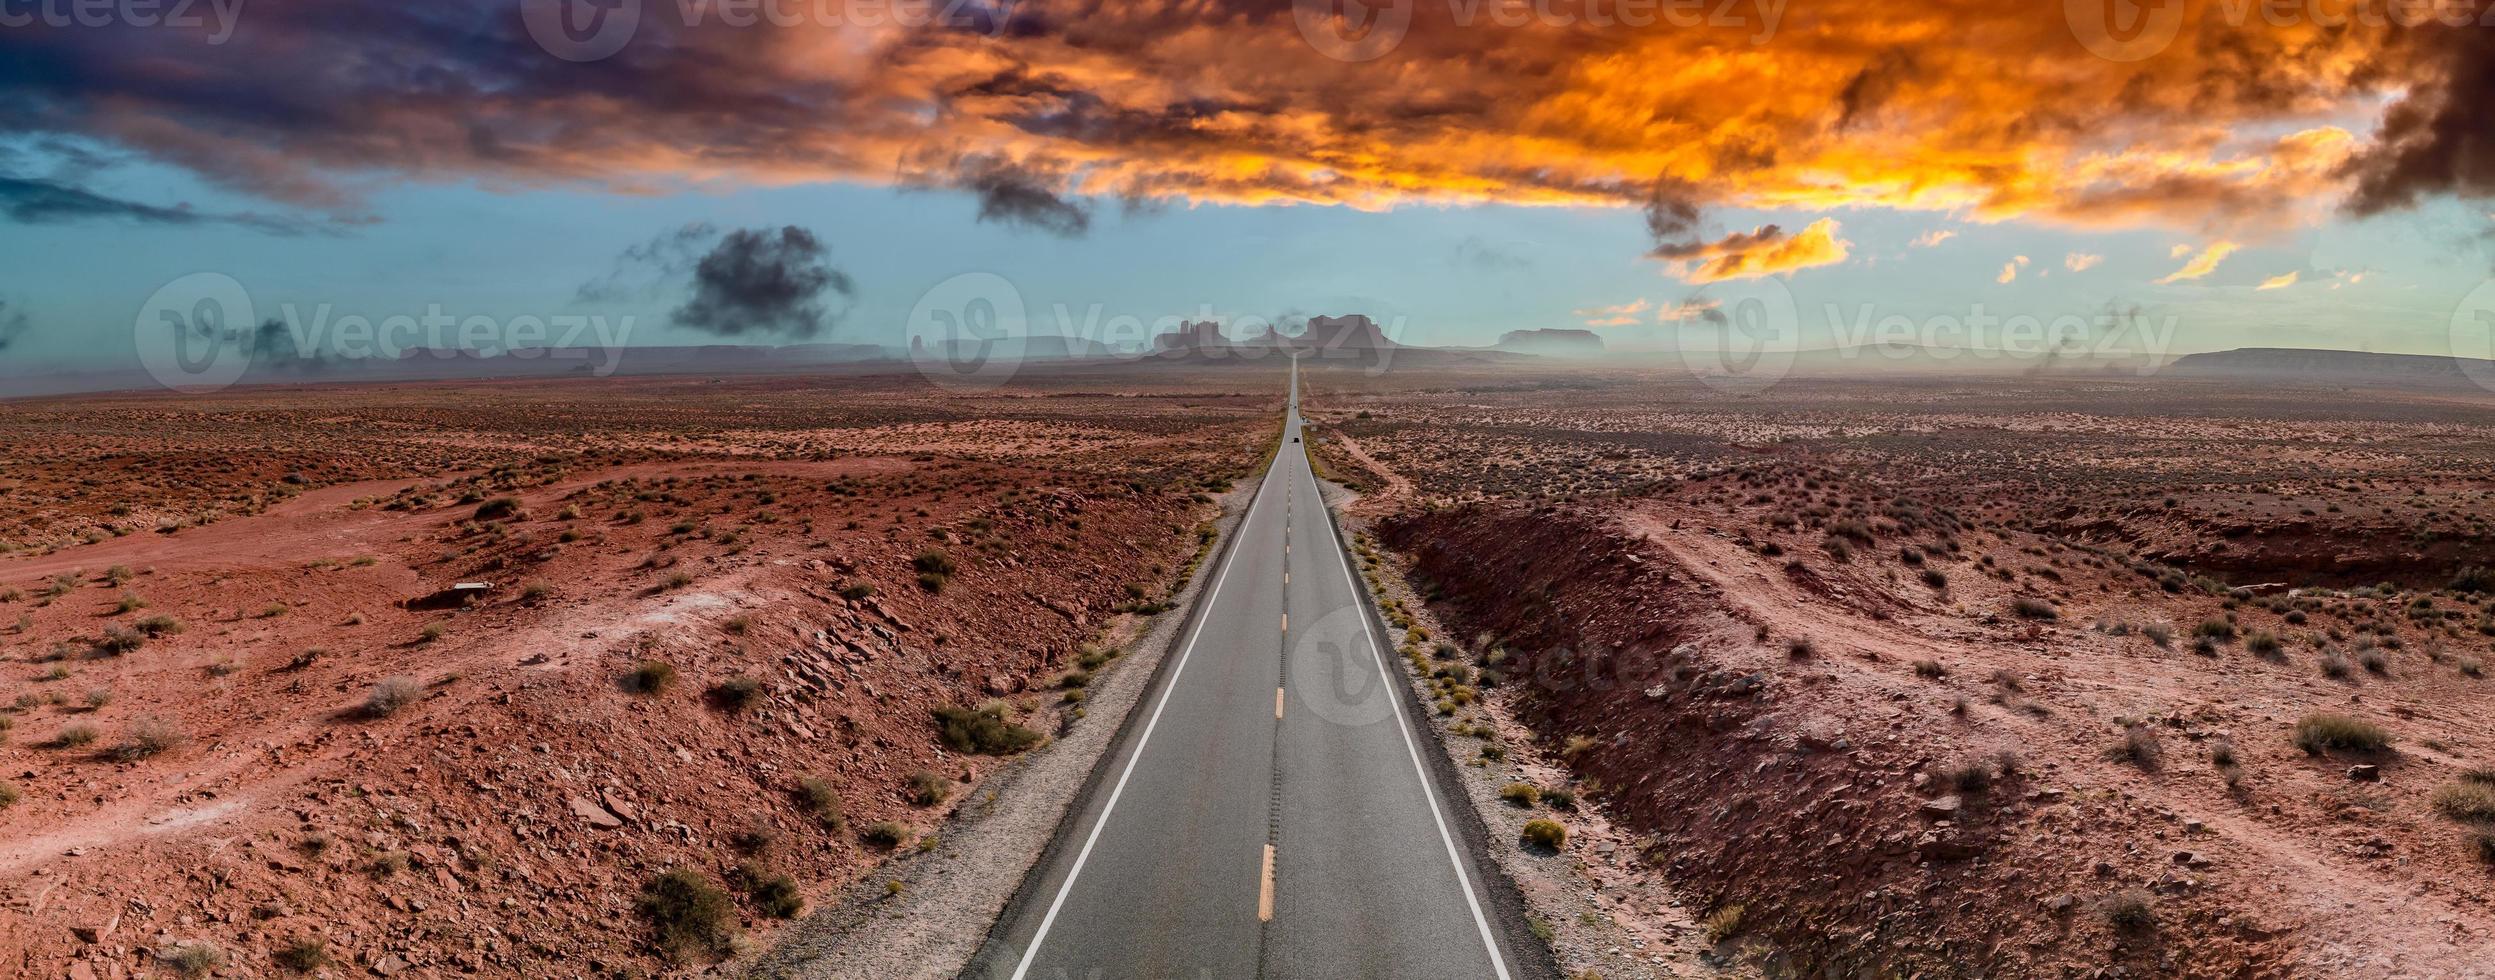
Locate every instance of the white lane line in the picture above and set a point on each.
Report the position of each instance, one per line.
(1454, 857)
(1277, 704)
(1180, 668)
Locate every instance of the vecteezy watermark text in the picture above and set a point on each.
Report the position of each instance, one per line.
(203, 333)
(1980, 334)
(1358, 30)
(2134, 30)
(217, 17)
(594, 30)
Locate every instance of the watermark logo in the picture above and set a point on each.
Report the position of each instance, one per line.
(216, 19)
(1332, 673)
(2471, 337)
(185, 332)
(970, 333)
(1352, 30)
(581, 30)
(2124, 30)
(1740, 335)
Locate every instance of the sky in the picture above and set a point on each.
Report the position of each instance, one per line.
(2204, 175)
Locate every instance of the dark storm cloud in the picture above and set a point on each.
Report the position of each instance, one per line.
(1017, 194)
(13, 324)
(2440, 138)
(1672, 213)
(36, 201)
(642, 268)
(760, 281)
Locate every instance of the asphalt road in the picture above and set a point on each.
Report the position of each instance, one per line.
(1272, 809)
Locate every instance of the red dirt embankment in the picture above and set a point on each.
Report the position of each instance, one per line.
(500, 817)
(1921, 790)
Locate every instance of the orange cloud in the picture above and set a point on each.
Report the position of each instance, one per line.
(2202, 264)
(1988, 110)
(2081, 261)
(1765, 251)
(2277, 282)
(1620, 315)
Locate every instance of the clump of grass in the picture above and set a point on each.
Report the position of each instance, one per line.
(1970, 775)
(2464, 799)
(2374, 662)
(2131, 910)
(431, 632)
(935, 568)
(2323, 730)
(1546, 834)
(387, 864)
(736, 694)
(119, 640)
(2216, 630)
(1521, 794)
(775, 895)
(193, 959)
(676, 580)
(2158, 633)
(1935, 578)
(650, 677)
(817, 800)
(158, 627)
(887, 834)
(2029, 607)
(1930, 670)
(8, 795)
(1799, 648)
(303, 954)
(148, 737)
(498, 508)
(691, 918)
(74, 737)
(929, 789)
(391, 694)
(2262, 643)
(2139, 746)
(2335, 666)
(1722, 924)
(983, 730)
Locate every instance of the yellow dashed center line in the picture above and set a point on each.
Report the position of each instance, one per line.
(1264, 890)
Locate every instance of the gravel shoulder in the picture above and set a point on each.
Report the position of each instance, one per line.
(926, 913)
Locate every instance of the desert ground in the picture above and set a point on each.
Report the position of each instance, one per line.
(2066, 676)
(252, 727)
(2009, 677)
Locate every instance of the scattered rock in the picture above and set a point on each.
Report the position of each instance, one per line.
(595, 815)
